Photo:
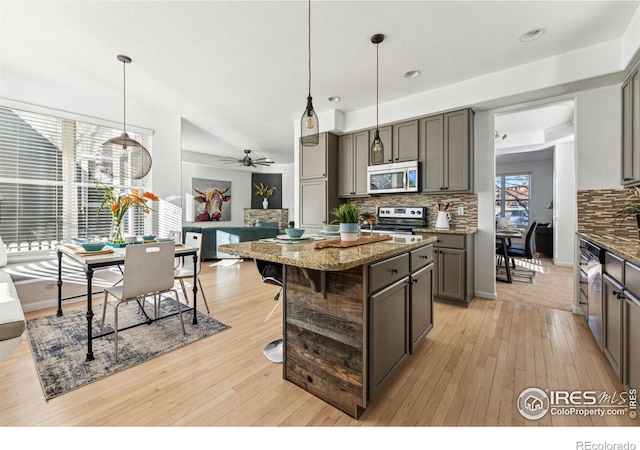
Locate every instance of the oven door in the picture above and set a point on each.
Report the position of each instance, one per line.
(594, 297)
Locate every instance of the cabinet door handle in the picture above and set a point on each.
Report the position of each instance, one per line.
(627, 179)
(424, 257)
(394, 270)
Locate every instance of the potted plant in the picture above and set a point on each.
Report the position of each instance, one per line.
(348, 216)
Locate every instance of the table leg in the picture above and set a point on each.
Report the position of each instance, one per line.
(59, 313)
(195, 288)
(89, 273)
(505, 253)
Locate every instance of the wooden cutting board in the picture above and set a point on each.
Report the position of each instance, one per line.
(337, 243)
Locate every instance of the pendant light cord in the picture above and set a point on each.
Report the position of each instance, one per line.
(377, 86)
(124, 94)
(309, 48)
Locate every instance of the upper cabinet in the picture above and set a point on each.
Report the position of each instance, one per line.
(446, 152)
(631, 129)
(353, 159)
(314, 160)
(400, 141)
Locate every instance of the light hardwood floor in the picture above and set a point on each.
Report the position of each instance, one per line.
(468, 372)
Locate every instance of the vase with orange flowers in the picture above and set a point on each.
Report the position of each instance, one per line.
(119, 204)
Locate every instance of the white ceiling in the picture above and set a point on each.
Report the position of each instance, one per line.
(236, 71)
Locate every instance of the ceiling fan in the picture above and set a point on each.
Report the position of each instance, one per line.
(248, 161)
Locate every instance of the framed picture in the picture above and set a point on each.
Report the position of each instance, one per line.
(211, 200)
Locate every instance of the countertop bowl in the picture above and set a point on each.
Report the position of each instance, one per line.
(294, 232)
(332, 228)
(149, 237)
(93, 246)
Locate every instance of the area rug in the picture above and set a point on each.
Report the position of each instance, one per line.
(59, 344)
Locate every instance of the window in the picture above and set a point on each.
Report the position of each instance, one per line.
(512, 198)
(48, 176)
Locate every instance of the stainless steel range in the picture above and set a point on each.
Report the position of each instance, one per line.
(400, 219)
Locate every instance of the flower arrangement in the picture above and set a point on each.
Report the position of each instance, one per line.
(264, 191)
(119, 204)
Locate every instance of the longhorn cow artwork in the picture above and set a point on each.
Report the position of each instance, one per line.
(211, 200)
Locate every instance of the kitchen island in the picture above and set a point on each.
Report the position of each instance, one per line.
(351, 315)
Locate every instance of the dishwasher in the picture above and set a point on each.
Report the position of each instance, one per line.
(591, 261)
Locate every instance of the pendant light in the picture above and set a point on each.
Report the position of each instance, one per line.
(377, 147)
(123, 146)
(309, 125)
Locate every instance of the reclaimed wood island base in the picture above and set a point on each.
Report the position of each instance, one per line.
(351, 316)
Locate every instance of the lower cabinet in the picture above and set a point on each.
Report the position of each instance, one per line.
(631, 344)
(421, 305)
(612, 308)
(389, 313)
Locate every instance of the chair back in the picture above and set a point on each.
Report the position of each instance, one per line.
(175, 235)
(530, 241)
(270, 272)
(148, 268)
(192, 239)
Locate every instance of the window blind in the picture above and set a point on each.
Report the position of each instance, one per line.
(48, 181)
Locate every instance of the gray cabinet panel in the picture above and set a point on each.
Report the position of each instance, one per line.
(451, 271)
(632, 343)
(388, 271)
(353, 157)
(612, 323)
(631, 129)
(313, 160)
(345, 165)
(421, 305)
(360, 162)
(405, 141)
(456, 143)
(432, 142)
(313, 203)
(388, 310)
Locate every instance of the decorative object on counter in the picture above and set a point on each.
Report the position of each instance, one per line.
(631, 208)
(124, 147)
(309, 125)
(265, 192)
(377, 147)
(368, 219)
(339, 243)
(119, 204)
(294, 232)
(347, 215)
(292, 224)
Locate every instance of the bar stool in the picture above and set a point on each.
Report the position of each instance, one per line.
(271, 273)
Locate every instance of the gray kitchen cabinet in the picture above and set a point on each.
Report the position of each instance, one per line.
(453, 268)
(386, 136)
(353, 159)
(421, 305)
(631, 344)
(405, 141)
(612, 307)
(631, 129)
(446, 152)
(318, 189)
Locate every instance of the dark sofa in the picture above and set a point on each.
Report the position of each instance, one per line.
(214, 236)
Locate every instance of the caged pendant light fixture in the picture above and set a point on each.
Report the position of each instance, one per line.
(309, 125)
(130, 152)
(377, 147)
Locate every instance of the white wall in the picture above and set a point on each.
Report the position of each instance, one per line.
(565, 205)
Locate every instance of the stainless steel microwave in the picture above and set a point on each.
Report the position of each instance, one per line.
(389, 178)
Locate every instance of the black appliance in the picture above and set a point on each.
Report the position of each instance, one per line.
(400, 219)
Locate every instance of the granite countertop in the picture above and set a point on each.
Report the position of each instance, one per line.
(626, 248)
(329, 259)
(464, 231)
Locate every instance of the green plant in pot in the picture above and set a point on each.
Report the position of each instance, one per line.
(631, 208)
(348, 216)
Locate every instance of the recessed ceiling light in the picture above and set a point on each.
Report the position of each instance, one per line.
(412, 74)
(334, 99)
(532, 35)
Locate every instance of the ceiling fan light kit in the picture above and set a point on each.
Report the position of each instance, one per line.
(377, 147)
(309, 125)
(123, 146)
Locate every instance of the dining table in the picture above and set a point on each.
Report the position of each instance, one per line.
(106, 257)
(503, 240)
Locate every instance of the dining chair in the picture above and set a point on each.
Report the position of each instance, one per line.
(185, 271)
(526, 251)
(148, 270)
(176, 235)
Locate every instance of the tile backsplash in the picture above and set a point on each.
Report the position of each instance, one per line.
(596, 209)
(469, 202)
